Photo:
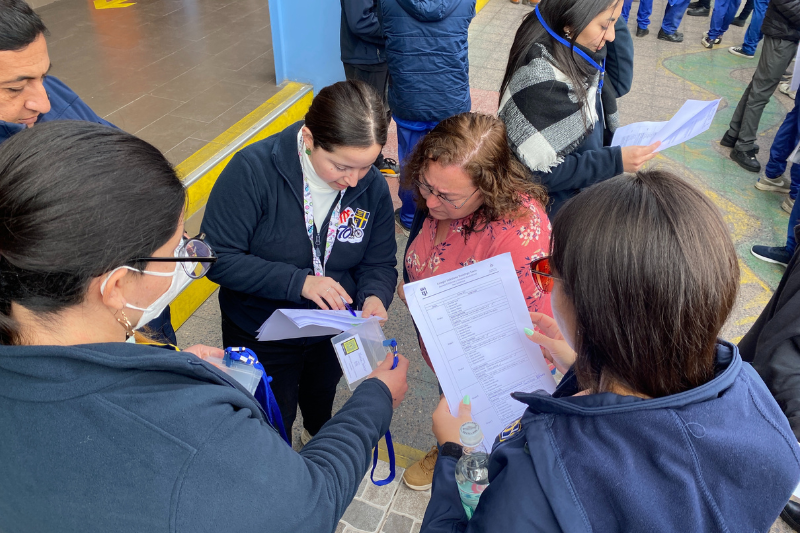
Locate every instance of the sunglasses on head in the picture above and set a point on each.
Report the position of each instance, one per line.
(541, 272)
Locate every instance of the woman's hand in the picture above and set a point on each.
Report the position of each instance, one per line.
(401, 292)
(633, 157)
(373, 306)
(323, 290)
(554, 348)
(204, 352)
(446, 426)
(394, 379)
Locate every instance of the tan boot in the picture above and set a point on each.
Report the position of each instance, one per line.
(419, 476)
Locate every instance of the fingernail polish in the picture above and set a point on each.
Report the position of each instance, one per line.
(466, 399)
(528, 331)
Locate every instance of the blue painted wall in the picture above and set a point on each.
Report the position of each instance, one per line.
(305, 38)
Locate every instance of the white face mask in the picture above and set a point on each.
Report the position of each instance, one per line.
(179, 279)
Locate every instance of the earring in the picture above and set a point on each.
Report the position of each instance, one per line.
(308, 152)
(125, 323)
(566, 34)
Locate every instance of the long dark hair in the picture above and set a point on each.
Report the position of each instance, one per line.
(77, 200)
(347, 113)
(477, 143)
(649, 267)
(558, 14)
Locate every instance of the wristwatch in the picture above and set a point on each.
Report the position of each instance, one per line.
(451, 449)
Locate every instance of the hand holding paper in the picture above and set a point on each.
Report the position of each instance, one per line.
(692, 119)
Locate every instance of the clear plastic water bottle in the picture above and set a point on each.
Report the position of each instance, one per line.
(472, 470)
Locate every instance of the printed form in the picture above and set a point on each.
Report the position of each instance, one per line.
(472, 321)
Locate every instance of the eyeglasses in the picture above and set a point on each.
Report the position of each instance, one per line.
(195, 255)
(426, 190)
(540, 270)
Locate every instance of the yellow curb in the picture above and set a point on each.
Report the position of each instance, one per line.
(404, 456)
(198, 291)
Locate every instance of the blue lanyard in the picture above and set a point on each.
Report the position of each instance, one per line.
(263, 393)
(389, 445)
(601, 68)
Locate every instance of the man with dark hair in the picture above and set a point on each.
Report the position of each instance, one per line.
(781, 30)
(28, 96)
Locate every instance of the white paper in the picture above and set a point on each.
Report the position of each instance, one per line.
(796, 73)
(472, 321)
(692, 119)
(296, 323)
(355, 363)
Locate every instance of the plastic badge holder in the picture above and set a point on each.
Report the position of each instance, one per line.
(360, 350)
(247, 376)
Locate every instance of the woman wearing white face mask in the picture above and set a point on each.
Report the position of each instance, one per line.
(102, 435)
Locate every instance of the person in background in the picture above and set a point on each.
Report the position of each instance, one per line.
(556, 120)
(30, 96)
(786, 141)
(771, 347)
(111, 436)
(475, 201)
(702, 8)
(669, 26)
(721, 19)
(303, 220)
(363, 56)
(657, 425)
(781, 29)
(426, 49)
(753, 34)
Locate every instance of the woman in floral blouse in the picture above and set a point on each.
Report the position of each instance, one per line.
(475, 201)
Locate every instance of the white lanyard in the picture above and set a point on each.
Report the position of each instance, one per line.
(308, 213)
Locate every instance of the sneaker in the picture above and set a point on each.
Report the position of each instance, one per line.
(787, 205)
(389, 166)
(772, 254)
(772, 184)
(747, 160)
(785, 88)
(305, 437)
(419, 476)
(739, 51)
(641, 32)
(698, 12)
(676, 37)
(709, 43)
(738, 22)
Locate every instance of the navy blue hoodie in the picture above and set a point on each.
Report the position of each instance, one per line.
(130, 438)
(720, 457)
(254, 221)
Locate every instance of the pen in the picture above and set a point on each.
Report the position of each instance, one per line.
(348, 306)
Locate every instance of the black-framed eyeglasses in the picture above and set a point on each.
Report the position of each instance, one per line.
(195, 255)
(426, 190)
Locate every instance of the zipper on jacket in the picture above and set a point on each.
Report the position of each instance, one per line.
(316, 244)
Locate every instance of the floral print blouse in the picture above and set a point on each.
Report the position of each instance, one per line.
(526, 237)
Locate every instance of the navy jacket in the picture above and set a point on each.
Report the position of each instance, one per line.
(619, 59)
(720, 457)
(64, 105)
(130, 438)
(589, 163)
(254, 221)
(426, 49)
(360, 34)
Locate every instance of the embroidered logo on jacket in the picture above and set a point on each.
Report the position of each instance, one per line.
(352, 224)
(511, 430)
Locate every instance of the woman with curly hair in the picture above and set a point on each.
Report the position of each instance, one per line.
(475, 201)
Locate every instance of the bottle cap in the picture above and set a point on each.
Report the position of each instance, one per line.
(470, 434)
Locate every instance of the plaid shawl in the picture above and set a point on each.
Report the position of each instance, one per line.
(543, 115)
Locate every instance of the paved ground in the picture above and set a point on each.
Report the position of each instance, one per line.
(666, 74)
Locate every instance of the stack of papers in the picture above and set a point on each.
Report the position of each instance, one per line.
(692, 119)
(297, 323)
